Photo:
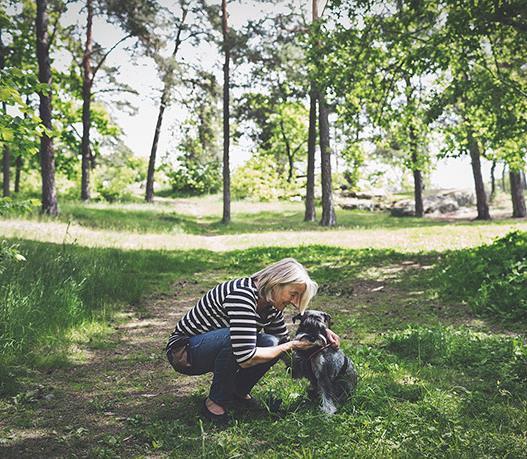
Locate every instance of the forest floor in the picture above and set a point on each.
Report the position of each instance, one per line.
(453, 392)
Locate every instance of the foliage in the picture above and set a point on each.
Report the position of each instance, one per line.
(117, 173)
(10, 206)
(491, 278)
(488, 356)
(260, 179)
(197, 169)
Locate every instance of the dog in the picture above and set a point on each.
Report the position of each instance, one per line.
(332, 374)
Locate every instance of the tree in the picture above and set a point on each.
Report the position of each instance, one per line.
(6, 154)
(47, 160)
(328, 211)
(167, 85)
(226, 114)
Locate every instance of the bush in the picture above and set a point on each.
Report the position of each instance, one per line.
(259, 179)
(491, 278)
(10, 206)
(46, 290)
(194, 177)
(483, 355)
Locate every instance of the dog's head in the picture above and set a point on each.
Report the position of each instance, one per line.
(313, 326)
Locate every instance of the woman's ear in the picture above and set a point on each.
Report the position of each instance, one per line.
(297, 317)
(327, 318)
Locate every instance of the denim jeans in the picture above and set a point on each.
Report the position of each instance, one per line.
(212, 352)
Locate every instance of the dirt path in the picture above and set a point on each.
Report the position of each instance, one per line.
(82, 411)
(123, 390)
(402, 239)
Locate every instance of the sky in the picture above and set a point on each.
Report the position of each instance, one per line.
(141, 74)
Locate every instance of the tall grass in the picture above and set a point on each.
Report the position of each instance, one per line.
(491, 278)
(54, 289)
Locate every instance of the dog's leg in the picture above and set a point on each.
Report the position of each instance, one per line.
(327, 399)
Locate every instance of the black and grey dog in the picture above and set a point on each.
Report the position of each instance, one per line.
(332, 374)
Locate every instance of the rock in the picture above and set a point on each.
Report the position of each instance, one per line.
(444, 202)
(404, 208)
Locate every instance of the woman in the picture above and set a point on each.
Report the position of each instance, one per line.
(237, 331)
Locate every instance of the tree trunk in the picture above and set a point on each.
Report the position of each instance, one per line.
(149, 195)
(289, 153)
(518, 198)
(493, 180)
(6, 155)
(481, 197)
(6, 163)
(418, 193)
(524, 181)
(503, 175)
(47, 160)
(18, 170)
(87, 82)
(418, 175)
(226, 113)
(328, 211)
(310, 214)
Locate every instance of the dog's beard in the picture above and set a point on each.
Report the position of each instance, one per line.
(319, 339)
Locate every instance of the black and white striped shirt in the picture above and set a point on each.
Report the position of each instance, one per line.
(232, 304)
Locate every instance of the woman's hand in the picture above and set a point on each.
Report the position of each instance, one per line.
(301, 345)
(333, 339)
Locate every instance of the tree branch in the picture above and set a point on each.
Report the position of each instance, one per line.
(103, 58)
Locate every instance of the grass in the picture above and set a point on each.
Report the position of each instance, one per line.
(436, 380)
(194, 223)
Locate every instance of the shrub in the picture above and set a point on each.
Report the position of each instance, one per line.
(488, 356)
(10, 206)
(194, 177)
(259, 179)
(46, 290)
(491, 278)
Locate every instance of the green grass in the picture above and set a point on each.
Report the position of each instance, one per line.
(202, 216)
(436, 380)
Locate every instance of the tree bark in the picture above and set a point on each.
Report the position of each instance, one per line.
(328, 211)
(18, 170)
(6, 155)
(226, 114)
(6, 163)
(47, 160)
(481, 197)
(87, 83)
(518, 198)
(418, 192)
(503, 175)
(289, 153)
(418, 174)
(493, 180)
(149, 195)
(310, 213)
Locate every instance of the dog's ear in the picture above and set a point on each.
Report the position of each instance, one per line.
(327, 318)
(297, 317)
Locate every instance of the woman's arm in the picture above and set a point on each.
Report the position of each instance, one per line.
(266, 354)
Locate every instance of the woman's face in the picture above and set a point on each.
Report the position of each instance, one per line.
(289, 294)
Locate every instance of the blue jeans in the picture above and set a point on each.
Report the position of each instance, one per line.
(212, 351)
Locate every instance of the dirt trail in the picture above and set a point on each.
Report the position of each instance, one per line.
(87, 407)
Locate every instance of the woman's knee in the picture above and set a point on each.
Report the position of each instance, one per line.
(266, 340)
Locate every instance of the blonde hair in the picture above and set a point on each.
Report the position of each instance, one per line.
(287, 271)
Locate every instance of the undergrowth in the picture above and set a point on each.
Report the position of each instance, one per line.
(491, 278)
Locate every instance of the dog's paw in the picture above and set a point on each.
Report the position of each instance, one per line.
(328, 407)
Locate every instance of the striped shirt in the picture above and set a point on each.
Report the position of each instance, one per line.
(232, 304)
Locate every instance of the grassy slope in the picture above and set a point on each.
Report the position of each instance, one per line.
(120, 399)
